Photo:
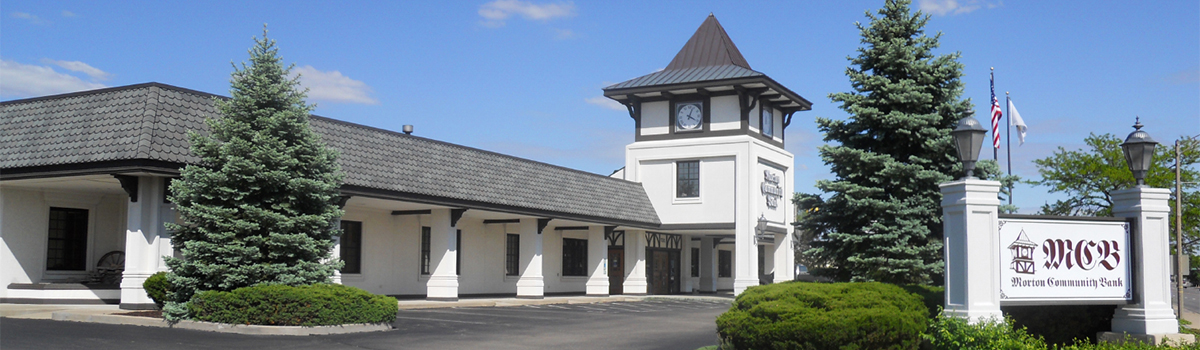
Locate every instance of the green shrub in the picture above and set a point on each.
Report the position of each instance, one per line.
(933, 297)
(311, 305)
(951, 333)
(156, 287)
(804, 315)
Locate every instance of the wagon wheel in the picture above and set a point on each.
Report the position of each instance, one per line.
(111, 266)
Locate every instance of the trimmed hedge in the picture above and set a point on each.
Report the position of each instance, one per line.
(279, 305)
(156, 287)
(805, 315)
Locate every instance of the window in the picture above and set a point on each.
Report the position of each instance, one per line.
(351, 244)
(695, 262)
(512, 255)
(767, 121)
(67, 249)
(425, 232)
(725, 264)
(687, 184)
(574, 257)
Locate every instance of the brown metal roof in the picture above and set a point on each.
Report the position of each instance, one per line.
(709, 46)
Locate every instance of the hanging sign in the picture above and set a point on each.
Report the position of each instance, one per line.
(1073, 261)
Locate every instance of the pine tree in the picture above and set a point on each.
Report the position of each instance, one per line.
(260, 206)
(883, 219)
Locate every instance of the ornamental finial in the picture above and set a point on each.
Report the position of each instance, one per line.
(1137, 123)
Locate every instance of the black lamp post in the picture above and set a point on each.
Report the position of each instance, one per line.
(968, 139)
(1139, 152)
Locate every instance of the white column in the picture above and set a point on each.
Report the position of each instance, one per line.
(708, 265)
(970, 208)
(530, 285)
(597, 283)
(785, 257)
(635, 245)
(745, 258)
(143, 242)
(443, 258)
(685, 266)
(1152, 313)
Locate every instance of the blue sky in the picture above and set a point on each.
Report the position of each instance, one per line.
(525, 77)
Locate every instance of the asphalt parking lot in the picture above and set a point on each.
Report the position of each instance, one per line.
(669, 323)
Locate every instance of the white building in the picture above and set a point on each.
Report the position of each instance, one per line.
(83, 178)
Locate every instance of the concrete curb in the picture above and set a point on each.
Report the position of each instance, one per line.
(220, 327)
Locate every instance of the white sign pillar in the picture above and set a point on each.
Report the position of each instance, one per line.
(1151, 314)
(970, 215)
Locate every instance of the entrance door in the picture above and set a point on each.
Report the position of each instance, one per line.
(616, 271)
(660, 272)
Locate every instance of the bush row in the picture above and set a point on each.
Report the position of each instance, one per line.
(803, 315)
(312, 305)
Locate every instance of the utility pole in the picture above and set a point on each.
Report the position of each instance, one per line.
(1179, 256)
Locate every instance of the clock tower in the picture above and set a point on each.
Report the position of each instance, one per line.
(709, 150)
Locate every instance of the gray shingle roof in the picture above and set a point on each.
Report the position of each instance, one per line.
(150, 122)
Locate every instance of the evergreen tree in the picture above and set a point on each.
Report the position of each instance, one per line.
(260, 206)
(883, 219)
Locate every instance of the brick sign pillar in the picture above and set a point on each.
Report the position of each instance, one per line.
(970, 215)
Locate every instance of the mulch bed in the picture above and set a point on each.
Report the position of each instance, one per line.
(150, 313)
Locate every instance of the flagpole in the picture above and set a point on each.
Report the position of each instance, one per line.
(1008, 142)
(995, 147)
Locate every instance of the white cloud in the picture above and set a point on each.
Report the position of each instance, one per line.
(24, 80)
(495, 12)
(332, 86)
(606, 103)
(76, 66)
(28, 17)
(953, 7)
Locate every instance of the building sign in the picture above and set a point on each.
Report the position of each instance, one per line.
(771, 189)
(1047, 260)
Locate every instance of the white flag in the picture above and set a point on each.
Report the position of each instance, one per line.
(1014, 119)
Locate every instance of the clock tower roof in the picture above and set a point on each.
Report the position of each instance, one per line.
(708, 63)
(709, 46)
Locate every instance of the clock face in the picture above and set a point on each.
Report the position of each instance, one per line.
(689, 116)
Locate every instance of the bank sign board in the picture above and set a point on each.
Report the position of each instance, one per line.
(1074, 261)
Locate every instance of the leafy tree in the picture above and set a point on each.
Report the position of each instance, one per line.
(883, 219)
(260, 206)
(1089, 176)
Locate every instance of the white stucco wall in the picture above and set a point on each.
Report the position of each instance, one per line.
(24, 226)
(725, 113)
(655, 118)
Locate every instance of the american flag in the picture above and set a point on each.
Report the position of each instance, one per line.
(996, 114)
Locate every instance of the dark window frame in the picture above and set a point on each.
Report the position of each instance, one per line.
(687, 177)
(724, 263)
(695, 262)
(350, 247)
(67, 227)
(574, 259)
(512, 255)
